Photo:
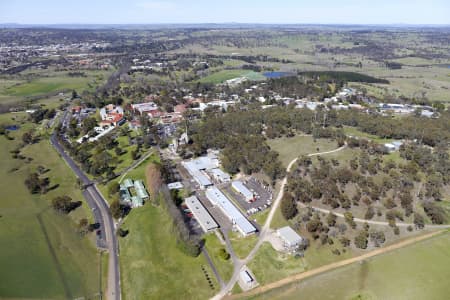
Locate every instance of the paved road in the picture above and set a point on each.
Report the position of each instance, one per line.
(265, 230)
(213, 267)
(107, 239)
(135, 164)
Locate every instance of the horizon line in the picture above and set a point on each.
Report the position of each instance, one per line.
(230, 23)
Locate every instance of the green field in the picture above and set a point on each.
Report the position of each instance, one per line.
(418, 271)
(152, 267)
(224, 75)
(224, 267)
(357, 133)
(269, 265)
(48, 83)
(290, 148)
(45, 257)
(242, 245)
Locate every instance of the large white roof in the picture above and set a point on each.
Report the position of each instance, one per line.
(241, 188)
(195, 172)
(289, 235)
(219, 199)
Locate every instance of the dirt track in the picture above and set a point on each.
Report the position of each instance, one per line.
(332, 266)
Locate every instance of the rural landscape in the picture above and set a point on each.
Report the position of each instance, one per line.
(224, 161)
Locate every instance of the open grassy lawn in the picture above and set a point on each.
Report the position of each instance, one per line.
(290, 148)
(260, 217)
(269, 265)
(224, 75)
(45, 85)
(42, 255)
(49, 82)
(242, 245)
(225, 267)
(152, 267)
(137, 173)
(419, 271)
(357, 133)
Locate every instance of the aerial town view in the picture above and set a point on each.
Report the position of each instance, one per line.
(225, 149)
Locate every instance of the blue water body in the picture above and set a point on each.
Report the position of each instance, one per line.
(277, 74)
(12, 127)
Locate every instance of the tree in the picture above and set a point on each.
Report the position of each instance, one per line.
(122, 232)
(113, 188)
(314, 225)
(331, 219)
(117, 209)
(434, 212)
(344, 241)
(35, 184)
(64, 204)
(223, 254)
(88, 124)
(27, 137)
(288, 206)
(419, 221)
(349, 219)
(361, 240)
(83, 226)
(369, 213)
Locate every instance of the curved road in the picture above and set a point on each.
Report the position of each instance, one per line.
(265, 230)
(102, 216)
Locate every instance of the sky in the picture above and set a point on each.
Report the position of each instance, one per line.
(225, 11)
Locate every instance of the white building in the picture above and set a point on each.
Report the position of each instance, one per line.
(220, 175)
(393, 146)
(175, 185)
(217, 198)
(144, 107)
(246, 277)
(291, 240)
(239, 187)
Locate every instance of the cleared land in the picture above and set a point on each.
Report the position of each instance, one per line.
(152, 266)
(224, 267)
(45, 257)
(224, 75)
(290, 148)
(269, 265)
(357, 133)
(242, 245)
(413, 272)
(47, 83)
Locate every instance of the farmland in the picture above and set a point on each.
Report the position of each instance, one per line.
(46, 84)
(45, 257)
(152, 266)
(414, 272)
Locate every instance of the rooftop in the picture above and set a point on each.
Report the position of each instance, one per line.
(289, 235)
(241, 188)
(218, 198)
(201, 214)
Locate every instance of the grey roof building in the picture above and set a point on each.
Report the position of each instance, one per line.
(200, 213)
(217, 198)
(239, 187)
(290, 238)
